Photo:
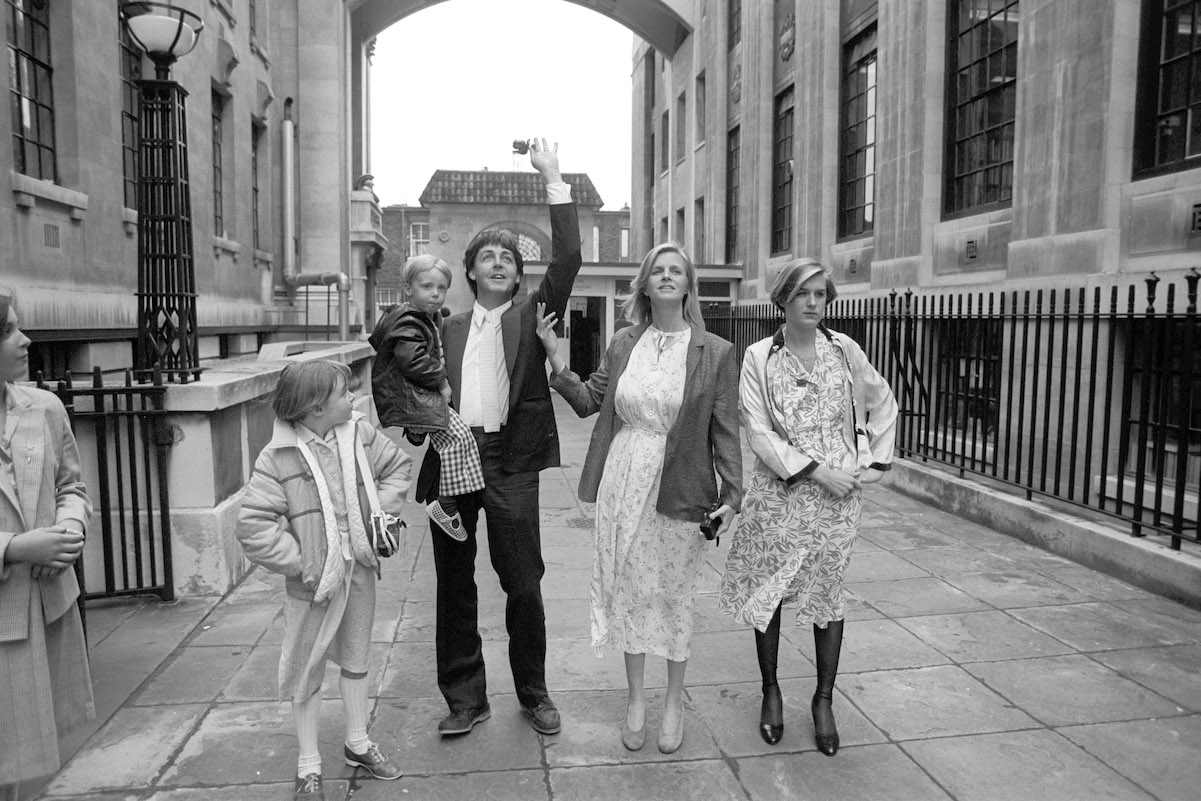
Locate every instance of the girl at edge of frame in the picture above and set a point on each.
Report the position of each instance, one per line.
(44, 506)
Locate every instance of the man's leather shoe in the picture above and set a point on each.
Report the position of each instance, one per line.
(374, 762)
(461, 722)
(544, 717)
(309, 788)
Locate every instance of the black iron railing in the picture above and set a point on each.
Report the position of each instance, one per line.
(124, 440)
(1088, 397)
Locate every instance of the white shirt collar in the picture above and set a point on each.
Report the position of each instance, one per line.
(479, 314)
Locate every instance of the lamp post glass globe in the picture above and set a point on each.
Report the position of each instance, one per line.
(164, 30)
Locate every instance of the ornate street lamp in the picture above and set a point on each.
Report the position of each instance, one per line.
(166, 268)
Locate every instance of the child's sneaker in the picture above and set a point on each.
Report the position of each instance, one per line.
(374, 762)
(308, 788)
(451, 524)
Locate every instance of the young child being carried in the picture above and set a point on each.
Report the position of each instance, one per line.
(306, 515)
(408, 381)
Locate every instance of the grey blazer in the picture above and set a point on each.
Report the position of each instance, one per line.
(48, 490)
(703, 439)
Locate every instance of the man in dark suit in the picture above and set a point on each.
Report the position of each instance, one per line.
(495, 364)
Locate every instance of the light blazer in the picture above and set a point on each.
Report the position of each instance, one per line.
(530, 440)
(703, 438)
(869, 419)
(49, 490)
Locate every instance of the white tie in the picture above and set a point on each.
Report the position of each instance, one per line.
(489, 391)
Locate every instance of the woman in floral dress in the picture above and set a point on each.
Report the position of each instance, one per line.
(821, 421)
(666, 394)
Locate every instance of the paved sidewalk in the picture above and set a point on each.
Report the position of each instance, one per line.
(975, 667)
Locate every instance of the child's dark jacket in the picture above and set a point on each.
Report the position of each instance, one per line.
(408, 371)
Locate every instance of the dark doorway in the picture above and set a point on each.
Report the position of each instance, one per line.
(587, 323)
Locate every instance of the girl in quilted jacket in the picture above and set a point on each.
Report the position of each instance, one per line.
(408, 380)
(305, 514)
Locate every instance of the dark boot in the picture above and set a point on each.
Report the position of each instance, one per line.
(771, 714)
(827, 644)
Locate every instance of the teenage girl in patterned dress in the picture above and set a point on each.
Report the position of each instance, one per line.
(821, 421)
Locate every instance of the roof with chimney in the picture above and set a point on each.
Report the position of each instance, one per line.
(506, 188)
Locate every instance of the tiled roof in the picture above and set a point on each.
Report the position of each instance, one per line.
(519, 188)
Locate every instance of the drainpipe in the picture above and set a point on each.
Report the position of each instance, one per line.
(292, 278)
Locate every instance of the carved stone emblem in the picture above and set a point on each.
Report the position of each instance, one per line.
(788, 37)
(736, 83)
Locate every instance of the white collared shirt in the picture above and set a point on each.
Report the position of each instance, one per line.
(470, 404)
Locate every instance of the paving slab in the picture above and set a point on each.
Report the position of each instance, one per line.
(981, 636)
(131, 750)
(710, 780)
(1019, 766)
(1071, 689)
(1171, 671)
(870, 771)
(508, 785)
(1017, 588)
(953, 559)
(334, 789)
(1139, 749)
(915, 596)
(930, 702)
(197, 673)
(881, 566)
(875, 528)
(1100, 627)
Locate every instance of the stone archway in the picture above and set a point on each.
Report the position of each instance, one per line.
(662, 23)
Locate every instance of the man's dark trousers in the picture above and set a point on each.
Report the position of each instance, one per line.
(510, 504)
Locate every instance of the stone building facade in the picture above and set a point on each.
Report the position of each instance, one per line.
(926, 143)
(68, 225)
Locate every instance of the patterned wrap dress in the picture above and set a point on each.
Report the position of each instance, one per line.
(794, 543)
(646, 565)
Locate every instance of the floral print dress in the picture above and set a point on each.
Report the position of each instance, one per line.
(794, 543)
(645, 565)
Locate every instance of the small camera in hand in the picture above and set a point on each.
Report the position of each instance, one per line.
(521, 146)
(710, 525)
(386, 532)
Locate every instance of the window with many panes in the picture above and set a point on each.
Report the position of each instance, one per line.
(982, 57)
(681, 127)
(31, 75)
(131, 71)
(734, 24)
(857, 145)
(665, 141)
(1168, 110)
(218, 114)
(733, 184)
(781, 184)
(256, 141)
(419, 239)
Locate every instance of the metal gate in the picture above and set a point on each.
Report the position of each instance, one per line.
(123, 440)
